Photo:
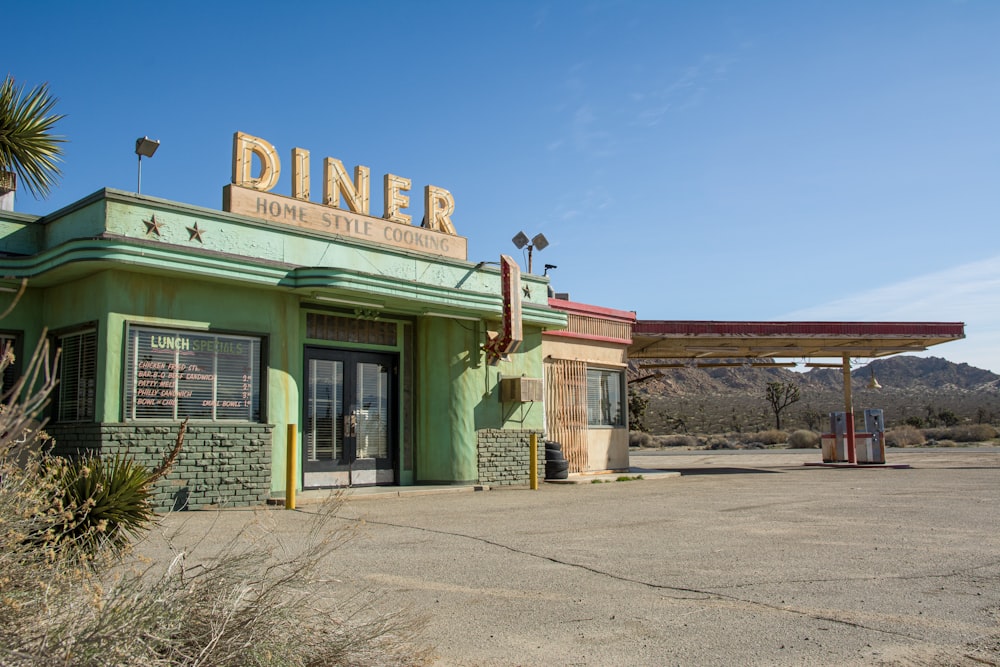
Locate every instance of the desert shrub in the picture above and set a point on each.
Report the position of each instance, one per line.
(904, 436)
(769, 437)
(720, 442)
(970, 433)
(803, 439)
(100, 502)
(677, 441)
(640, 439)
(72, 592)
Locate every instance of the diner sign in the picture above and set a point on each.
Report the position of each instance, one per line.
(251, 196)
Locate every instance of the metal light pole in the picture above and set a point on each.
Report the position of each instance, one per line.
(144, 146)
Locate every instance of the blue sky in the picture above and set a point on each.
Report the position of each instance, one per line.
(686, 160)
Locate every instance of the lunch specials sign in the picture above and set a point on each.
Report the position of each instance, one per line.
(251, 196)
(172, 374)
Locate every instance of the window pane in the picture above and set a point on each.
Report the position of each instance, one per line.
(604, 398)
(77, 376)
(173, 374)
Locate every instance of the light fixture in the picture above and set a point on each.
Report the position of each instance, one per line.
(873, 383)
(351, 302)
(451, 316)
(539, 241)
(144, 147)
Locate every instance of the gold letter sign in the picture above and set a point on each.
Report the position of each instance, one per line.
(251, 195)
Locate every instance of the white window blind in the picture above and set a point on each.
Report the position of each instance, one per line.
(604, 397)
(77, 376)
(173, 374)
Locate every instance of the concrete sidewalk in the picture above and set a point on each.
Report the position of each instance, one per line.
(312, 497)
(744, 558)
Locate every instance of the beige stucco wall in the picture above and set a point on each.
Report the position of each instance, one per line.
(607, 447)
(596, 353)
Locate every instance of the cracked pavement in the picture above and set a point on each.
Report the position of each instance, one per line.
(747, 558)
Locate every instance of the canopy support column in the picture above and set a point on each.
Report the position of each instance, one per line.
(849, 411)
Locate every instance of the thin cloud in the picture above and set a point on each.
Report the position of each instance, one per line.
(968, 293)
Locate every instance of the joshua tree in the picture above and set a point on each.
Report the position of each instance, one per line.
(28, 149)
(780, 395)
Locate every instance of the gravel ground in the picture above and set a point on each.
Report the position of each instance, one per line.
(747, 557)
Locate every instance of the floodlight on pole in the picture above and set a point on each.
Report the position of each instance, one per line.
(144, 146)
(539, 241)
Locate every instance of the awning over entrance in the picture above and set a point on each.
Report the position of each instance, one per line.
(764, 342)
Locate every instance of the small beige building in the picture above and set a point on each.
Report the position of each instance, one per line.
(586, 404)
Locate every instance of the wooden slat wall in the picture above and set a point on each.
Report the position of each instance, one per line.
(595, 326)
(566, 409)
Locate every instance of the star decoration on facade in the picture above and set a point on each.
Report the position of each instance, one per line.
(195, 233)
(152, 226)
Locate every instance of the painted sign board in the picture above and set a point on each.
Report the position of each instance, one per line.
(509, 339)
(316, 217)
(251, 195)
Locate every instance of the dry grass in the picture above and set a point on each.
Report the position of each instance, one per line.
(253, 602)
(803, 439)
(904, 436)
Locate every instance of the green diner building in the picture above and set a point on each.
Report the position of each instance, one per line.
(364, 342)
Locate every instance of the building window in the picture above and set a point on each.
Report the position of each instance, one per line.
(604, 397)
(10, 344)
(77, 375)
(173, 374)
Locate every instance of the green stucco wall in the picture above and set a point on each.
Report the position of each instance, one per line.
(98, 261)
(458, 394)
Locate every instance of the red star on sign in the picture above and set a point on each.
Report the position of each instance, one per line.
(195, 233)
(152, 225)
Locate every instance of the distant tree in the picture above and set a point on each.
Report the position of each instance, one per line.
(28, 148)
(915, 422)
(811, 417)
(948, 417)
(780, 395)
(637, 405)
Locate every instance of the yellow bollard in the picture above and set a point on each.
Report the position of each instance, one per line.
(291, 459)
(533, 462)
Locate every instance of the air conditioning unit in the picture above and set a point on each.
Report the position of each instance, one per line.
(521, 390)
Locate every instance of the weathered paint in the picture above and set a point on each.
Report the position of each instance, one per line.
(459, 394)
(115, 258)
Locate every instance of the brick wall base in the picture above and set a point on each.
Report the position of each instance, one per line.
(219, 465)
(504, 456)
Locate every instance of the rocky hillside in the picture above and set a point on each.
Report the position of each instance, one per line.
(715, 400)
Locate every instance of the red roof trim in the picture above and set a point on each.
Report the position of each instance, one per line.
(702, 327)
(592, 311)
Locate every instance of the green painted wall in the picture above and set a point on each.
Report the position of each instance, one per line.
(99, 261)
(458, 394)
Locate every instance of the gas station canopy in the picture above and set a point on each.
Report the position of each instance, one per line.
(707, 343)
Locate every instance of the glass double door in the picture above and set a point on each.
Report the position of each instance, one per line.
(349, 434)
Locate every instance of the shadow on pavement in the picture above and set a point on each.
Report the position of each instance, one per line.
(713, 470)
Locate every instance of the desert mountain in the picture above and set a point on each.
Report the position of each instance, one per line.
(721, 399)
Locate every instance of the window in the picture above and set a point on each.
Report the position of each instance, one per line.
(77, 375)
(10, 342)
(172, 374)
(605, 389)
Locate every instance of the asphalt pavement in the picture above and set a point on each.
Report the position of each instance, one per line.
(743, 558)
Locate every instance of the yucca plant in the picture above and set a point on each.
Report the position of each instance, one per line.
(103, 502)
